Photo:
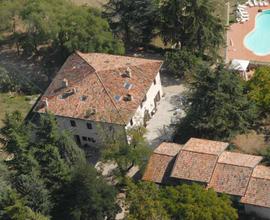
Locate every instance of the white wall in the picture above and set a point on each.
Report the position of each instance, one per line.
(148, 104)
(260, 211)
(98, 131)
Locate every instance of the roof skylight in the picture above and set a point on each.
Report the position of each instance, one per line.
(117, 98)
(128, 85)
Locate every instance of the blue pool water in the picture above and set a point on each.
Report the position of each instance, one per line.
(258, 40)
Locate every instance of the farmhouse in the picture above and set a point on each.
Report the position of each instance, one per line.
(95, 94)
(208, 163)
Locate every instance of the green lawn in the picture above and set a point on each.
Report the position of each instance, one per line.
(12, 102)
(92, 3)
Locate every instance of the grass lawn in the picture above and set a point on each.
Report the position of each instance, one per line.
(92, 3)
(10, 103)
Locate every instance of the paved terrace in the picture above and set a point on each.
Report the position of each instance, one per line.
(235, 39)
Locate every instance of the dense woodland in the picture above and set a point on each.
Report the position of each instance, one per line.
(48, 176)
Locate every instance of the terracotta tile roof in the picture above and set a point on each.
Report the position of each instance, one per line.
(205, 146)
(258, 191)
(245, 160)
(166, 148)
(262, 172)
(194, 166)
(94, 81)
(159, 168)
(230, 179)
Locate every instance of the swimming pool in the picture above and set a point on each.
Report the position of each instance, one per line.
(258, 40)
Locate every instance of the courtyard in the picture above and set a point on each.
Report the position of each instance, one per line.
(169, 110)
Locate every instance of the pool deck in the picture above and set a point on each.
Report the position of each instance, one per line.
(235, 39)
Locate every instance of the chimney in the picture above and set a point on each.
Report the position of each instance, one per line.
(128, 72)
(128, 98)
(65, 83)
(46, 103)
(74, 90)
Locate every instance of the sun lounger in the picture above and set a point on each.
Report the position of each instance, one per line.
(242, 11)
(242, 6)
(249, 3)
(255, 3)
(261, 4)
(266, 3)
(242, 14)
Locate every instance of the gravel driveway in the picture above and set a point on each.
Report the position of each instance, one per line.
(162, 125)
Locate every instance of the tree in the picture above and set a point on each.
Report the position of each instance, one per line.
(84, 29)
(134, 21)
(59, 25)
(192, 24)
(186, 202)
(219, 108)
(259, 89)
(127, 155)
(145, 202)
(193, 202)
(50, 175)
(87, 196)
(181, 62)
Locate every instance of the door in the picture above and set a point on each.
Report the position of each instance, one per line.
(146, 117)
(77, 139)
(157, 99)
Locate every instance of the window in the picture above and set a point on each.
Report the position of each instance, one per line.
(89, 126)
(72, 123)
(127, 85)
(84, 138)
(131, 122)
(155, 82)
(117, 98)
(91, 140)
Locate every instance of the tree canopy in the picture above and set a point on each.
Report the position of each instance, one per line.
(192, 24)
(259, 88)
(218, 106)
(61, 25)
(127, 155)
(191, 202)
(134, 21)
(48, 166)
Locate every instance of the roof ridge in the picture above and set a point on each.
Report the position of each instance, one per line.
(99, 78)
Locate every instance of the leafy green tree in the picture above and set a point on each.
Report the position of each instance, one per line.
(181, 62)
(127, 155)
(67, 27)
(193, 202)
(192, 24)
(87, 196)
(134, 21)
(219, 108)
(145, 202)
(259, 89)
(83, 29)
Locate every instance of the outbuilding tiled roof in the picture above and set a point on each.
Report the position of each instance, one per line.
(258, 191)
(205, 146)
(197, 159)
(161, 162)
(194, 166)
(230, 179)
(226, 172)
(97, 86)
(167, 148)
(239, 159)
